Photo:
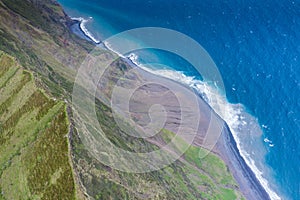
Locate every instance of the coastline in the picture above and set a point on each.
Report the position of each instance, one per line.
(78, 28)
(226, 147)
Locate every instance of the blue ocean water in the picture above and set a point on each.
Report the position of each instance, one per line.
(256, 46)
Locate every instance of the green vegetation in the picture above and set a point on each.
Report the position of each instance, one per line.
(34, 161)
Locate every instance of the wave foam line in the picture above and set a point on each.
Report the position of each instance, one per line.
(82, 23)
(230, 113)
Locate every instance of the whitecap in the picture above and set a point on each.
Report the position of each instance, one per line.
(264, 126)
(267, 140)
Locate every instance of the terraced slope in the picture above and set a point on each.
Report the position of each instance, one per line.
(34, 156)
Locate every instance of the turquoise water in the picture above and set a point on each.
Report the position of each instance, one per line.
(256, 46)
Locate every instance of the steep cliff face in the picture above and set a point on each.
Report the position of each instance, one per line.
(36, 33)
(34, 159)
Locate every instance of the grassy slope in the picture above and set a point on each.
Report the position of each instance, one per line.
(34, 162)
(36, 33)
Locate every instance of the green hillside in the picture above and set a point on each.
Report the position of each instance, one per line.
(35, 162)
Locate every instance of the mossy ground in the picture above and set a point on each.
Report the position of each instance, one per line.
(34, 160)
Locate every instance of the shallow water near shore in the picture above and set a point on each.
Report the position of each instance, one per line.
(256, 47)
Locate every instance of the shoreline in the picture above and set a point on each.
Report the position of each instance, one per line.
(227, 147)
(79, 29)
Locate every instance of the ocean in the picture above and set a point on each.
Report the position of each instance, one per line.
(256, 47)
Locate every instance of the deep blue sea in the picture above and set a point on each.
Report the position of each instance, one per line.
(256, 46)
